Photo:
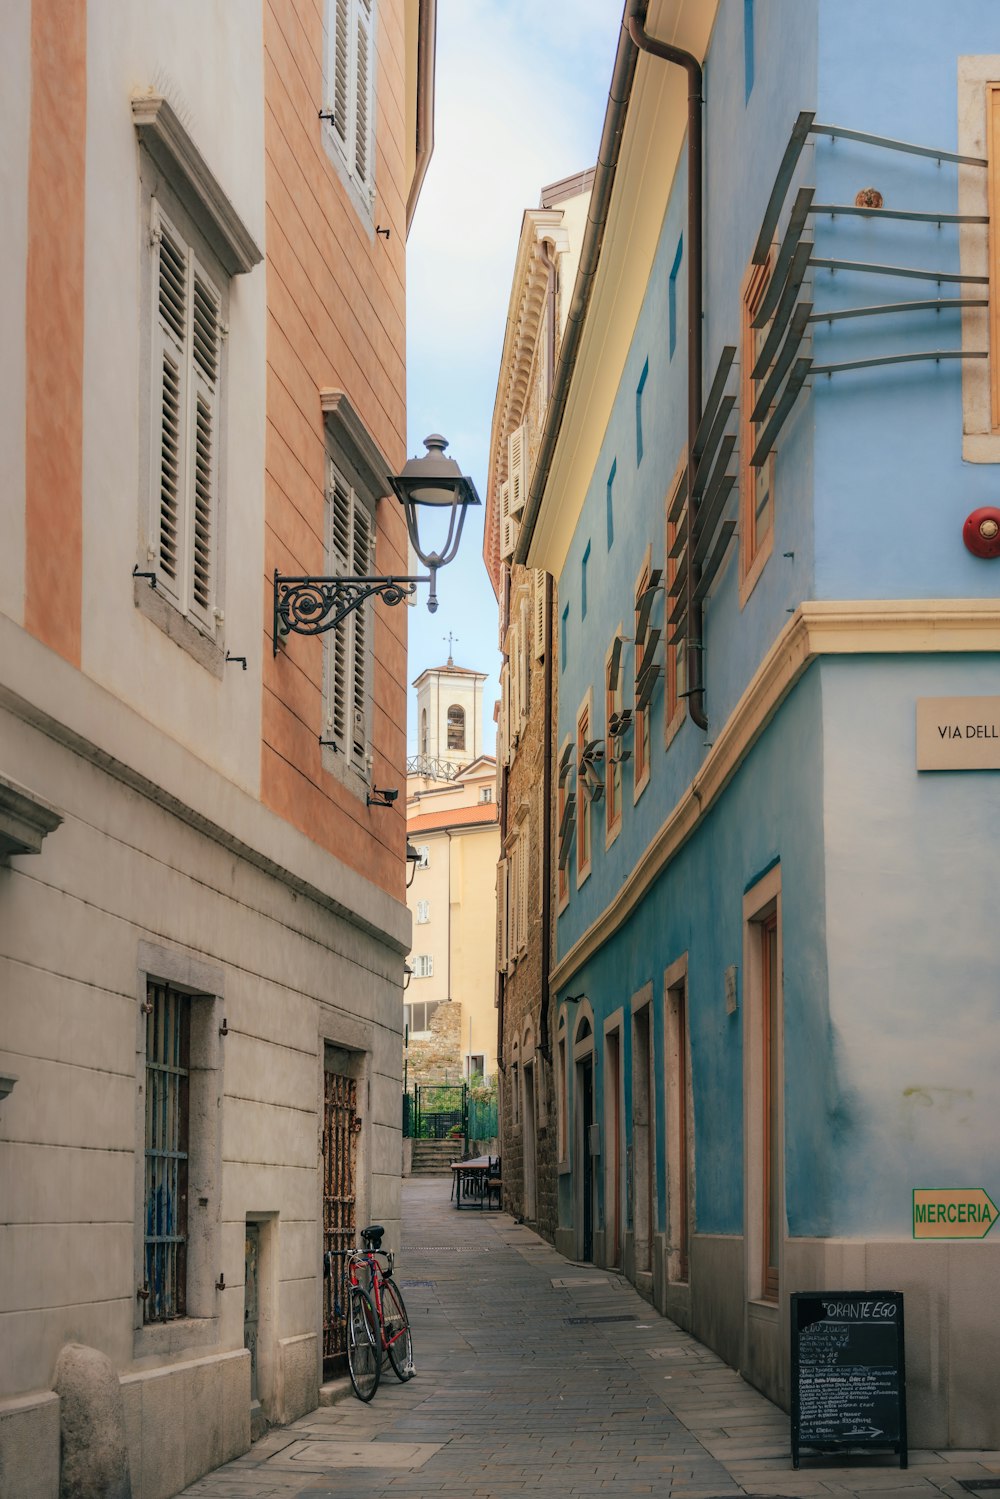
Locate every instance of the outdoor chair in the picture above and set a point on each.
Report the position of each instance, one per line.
(494, 1180)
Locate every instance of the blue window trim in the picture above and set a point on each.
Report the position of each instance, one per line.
(583, 582)
(638, 413)
(564, 639)
(748, 49)
(672, 296)
(611, 504)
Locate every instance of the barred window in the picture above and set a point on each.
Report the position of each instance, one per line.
(168, 1048)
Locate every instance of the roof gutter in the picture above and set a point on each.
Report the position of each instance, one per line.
(597, 217)
(694, 644)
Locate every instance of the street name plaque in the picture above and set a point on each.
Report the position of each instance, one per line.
(848, 1372)
(958, 733)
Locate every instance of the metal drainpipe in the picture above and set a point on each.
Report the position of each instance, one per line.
(502, 977)
(691, 65)
(545, 1043)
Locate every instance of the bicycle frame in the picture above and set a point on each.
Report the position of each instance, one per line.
(376, 1277)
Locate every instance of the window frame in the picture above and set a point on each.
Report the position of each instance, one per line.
(755, 549)
(679, 1122)
(202, 984)
(198, 627)
(763, 1054)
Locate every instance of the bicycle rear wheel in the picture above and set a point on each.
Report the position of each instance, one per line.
(396, 1327)
(364, 1353)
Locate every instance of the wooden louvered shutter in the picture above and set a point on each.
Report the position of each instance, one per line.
(339, 71)
(523, 660)
(538, 614)
(206, 332)
(170, 402)
(508, 526)
(517, 469)
(338, 499)
(502, 916)
(364, 78)
(523, 851)
(361, 623)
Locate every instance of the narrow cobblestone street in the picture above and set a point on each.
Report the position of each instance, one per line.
(535, 1375)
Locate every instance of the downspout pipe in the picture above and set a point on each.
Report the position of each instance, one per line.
(544, 1025)
(695, 643)
(504, 777)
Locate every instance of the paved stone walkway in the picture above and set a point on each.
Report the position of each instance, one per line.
(535, 1375)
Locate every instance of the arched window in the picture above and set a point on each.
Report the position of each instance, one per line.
(423, 732)
(456, 727)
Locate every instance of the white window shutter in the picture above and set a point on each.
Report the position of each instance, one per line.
(523, 660)
(517, 476)
(170, 402)
(523, 848)
(339, 722)
(364, 101)
(361, 624)
(339, 72)
(538, 613)
(502, 916)
(508, 525)
(206, 352)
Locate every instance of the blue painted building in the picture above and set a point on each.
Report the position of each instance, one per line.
(777, 957)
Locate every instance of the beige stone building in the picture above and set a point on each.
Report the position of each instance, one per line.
(451, 822)
(203, 924)
(528, 871)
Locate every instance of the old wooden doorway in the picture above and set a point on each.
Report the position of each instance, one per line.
(340, 1150)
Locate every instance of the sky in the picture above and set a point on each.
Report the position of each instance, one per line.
(520, 94)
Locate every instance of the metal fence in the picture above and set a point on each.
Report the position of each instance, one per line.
(483, 1118)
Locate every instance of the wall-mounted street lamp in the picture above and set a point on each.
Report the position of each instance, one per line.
(413, 859)
(311, 606)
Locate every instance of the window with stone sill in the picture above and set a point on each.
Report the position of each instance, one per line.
(178, 1156)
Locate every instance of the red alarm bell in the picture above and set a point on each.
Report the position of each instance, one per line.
(981, 532)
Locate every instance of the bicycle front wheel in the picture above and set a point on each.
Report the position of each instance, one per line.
(364, 1354)
(396, 1327)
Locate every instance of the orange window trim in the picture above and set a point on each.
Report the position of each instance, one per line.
(53, 326)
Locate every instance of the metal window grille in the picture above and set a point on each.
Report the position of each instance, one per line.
(168, 1041)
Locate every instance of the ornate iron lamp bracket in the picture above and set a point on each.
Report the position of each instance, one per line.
(311, 606)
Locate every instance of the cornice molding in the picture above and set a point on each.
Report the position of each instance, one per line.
(355, 442)
(25, 820)
(822, 628)
(192, 179)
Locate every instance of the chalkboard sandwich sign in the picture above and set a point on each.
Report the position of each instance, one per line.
(848, 1372)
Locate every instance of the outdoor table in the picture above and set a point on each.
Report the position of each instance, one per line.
(470, 1179)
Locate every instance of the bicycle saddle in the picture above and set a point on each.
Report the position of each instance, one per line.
(372, 1236)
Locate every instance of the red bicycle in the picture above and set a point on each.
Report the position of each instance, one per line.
(377, 1320)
